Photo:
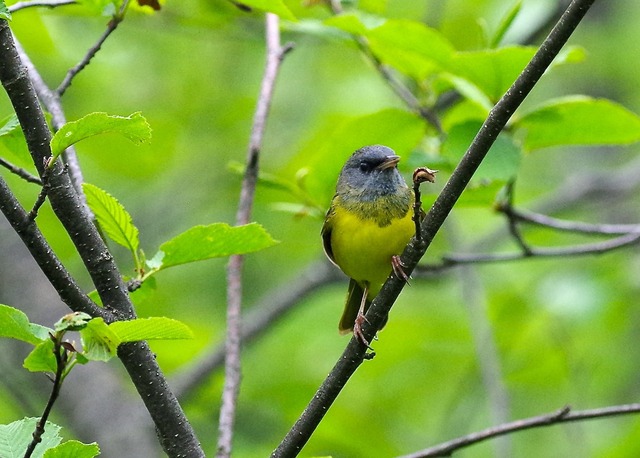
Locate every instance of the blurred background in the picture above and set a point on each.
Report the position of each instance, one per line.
(465, 348)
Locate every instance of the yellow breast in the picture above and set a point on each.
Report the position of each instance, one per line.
(363, 249)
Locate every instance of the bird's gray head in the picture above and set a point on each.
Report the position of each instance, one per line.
(371, 172)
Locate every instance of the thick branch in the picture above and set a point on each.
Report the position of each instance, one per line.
(563, 415)
(56, 273)
(354, 354)
(176, 435)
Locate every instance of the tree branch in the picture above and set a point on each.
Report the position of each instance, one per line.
(563, 415)
(275, 54)
(355, 352)
(22, 173)
(175, 432)
(112, 25)
(46, 3)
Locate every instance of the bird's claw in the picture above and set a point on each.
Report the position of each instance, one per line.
(398, 268)
(357, 330)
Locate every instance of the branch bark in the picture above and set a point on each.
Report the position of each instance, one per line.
(175, 433)
(355, 352)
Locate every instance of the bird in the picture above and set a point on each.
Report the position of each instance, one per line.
(367, 226)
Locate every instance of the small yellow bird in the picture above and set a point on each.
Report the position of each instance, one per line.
(367, 227)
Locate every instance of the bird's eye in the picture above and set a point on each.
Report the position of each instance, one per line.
(365, 167)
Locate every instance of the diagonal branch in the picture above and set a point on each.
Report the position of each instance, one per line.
(275, 54)
(564, 415)
(175, 433)
(355, 352)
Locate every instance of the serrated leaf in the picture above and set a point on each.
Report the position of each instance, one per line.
(73, 449)
(99, 342)
(16, 437)
(153, 328)
(271, 6)
(579, 121)
(15, 325)
(114, 220)
(133, 127)
(214, 241)
(41, 358)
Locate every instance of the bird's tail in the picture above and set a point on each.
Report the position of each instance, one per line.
(354, 299)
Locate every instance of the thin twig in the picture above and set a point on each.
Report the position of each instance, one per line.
(112, 25)
(45, 3)
(61, 356)
(22, 173)
(572, 226)
(563, 415)
(574, 250)
(513, 222)
(387, 74)
(275, 54)
(354, 354)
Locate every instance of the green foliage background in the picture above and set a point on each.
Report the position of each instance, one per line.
(564, 329)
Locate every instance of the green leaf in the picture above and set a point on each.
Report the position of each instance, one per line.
(113, 218)
(15, 325)
(271, 6)
(502, 161)
(347, 22)
(579, 121)
(492, 70)
(410, 47)
(99, 342)
(133, 127)
(73, 449)
(213, 241)
(16, 437)
(4, 12)
(150, 329)
(9, 124)
(72, 322)
(13, 144)
(505, 23)
(41, 358)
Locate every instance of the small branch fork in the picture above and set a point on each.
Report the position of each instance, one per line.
(275, 55)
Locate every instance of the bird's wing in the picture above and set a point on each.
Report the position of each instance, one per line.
(326, 236)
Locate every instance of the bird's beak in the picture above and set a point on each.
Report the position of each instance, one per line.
(389, 163)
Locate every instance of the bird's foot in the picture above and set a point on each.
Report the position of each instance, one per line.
(398, 268)
(357, 330)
